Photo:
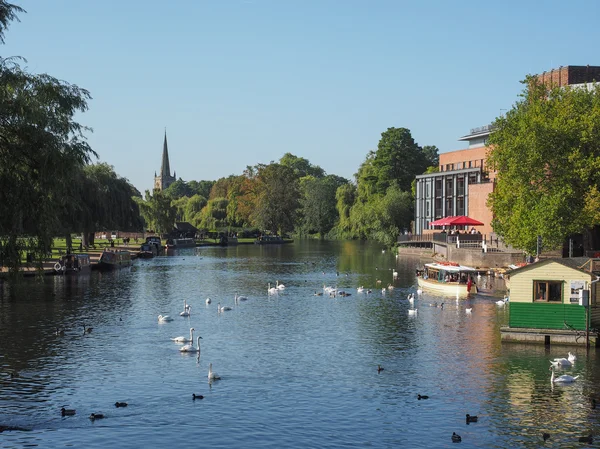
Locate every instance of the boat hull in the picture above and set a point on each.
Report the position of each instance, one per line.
(446, 288)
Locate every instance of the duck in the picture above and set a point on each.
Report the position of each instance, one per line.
(412, 311)
(572, 357)
(545, 436)
(456, 438)
(197, 396)
(87, 330)
(120, 404)
(471, 419)
(223, 308)
(419, 397)
(318, 293)
(211, 374)
(565, 378)
(164, 318)
(500, 302)
(208, 301)
(67, 412)
(419, 292)
(183, 339)
(379, 368)
(190, 347)
(94, 416)
(60, 332)
(589, 439)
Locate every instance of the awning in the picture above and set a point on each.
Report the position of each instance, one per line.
(460, 220)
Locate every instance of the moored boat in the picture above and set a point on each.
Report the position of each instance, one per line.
(180, 243)
(147, 251)
(114, 259)
(448, 278)
(73, 264)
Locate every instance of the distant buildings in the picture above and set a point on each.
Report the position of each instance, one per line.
(164, 180)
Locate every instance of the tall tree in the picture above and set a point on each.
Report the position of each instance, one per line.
(301, 166)
(8, 13)
(546, 151)
(318, 203)
(157, 211)
(277, 198)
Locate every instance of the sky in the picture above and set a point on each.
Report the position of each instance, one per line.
(241, 82)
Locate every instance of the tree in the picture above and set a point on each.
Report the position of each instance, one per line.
(301, 166)
(276, 198)
(8, 13)
(157, 211)
(345, 197)
(546, 151)
(318, 203)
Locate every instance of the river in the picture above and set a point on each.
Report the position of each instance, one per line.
(297, 370)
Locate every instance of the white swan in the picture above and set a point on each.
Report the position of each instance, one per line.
(190, 347)
(394, 273)
(560, 362)
(164, 318)
(419, 292)
(271, 290)
(469, 310)
(223, 309)
(500, 302)
(211, 374)
(186, 309)
(412, 311)
(240, 298)
(360, 289)
(208, 301)
(565, 378)
(185, 339)
(279, 286)
(572, 357)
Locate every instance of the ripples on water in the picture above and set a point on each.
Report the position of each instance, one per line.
(297, 370)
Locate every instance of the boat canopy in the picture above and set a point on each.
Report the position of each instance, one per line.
(451, 267)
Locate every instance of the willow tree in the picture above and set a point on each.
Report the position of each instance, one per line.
(546, 151)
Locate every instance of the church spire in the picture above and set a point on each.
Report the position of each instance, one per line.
(165, 169)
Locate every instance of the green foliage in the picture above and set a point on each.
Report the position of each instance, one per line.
(214, 214)
(277, 198)
(157, 211)
(180, 188)
(546, 151)
(301, 167)
(318, 203)
(345, 197)
(8, 13)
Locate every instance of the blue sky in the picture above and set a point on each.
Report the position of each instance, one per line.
(241, 82)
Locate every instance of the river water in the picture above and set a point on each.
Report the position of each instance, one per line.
(297, 370)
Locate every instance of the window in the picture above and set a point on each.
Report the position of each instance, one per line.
(548, 291)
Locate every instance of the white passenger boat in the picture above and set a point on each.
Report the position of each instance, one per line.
(448, 278)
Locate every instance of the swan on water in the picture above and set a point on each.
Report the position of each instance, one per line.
(560, 362)
(572, 357)
(360, 289)
(208, 301)
(469, 310)
(419, 292)
(412, 311)
(211, 374)
(271, 290)
(223, 309)
(164, 318)
(565, 378)
(240, 298)
(279, 286)
(190, 347)
(185, 339)
(186, 309)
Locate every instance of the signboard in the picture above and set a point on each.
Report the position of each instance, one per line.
(576, 287)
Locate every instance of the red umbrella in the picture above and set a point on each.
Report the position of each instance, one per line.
(463, 220)
(441, 222)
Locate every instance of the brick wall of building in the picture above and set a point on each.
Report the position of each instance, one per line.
(456, 160)
(478, 194)
(570, 74)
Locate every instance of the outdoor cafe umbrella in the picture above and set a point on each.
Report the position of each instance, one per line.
(460, 220)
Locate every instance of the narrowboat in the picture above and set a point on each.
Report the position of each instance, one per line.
(448, 278)
(147, 251)
(180, 243)
(268, 239)
(114, 259)
(156, 241)
(73, 264)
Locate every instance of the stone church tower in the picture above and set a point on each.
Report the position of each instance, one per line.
(164, 180)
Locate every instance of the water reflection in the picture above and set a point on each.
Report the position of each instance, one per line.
(297, 370)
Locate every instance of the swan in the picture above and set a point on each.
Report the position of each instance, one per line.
(185, 339)
(240, 298)
(271, 290)
(223, 309)
(360, 289)
(469, 310)
(500, 302)
(211, 374)
(394, 273)
(279, 286)
(208, 301)
(187, 311)
(560, 362)
(164, 318)
(190, 347)
(412, 311)
(572, 357)
(565, 378)
(390, 287)
(419, 292)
